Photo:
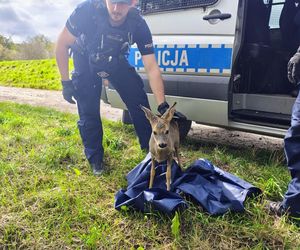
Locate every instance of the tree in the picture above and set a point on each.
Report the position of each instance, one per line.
(38, 47)
(7, 49)
(6, 42)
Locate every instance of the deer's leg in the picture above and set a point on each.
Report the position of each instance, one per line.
(178, 157)
(152, 173)
(168, 174)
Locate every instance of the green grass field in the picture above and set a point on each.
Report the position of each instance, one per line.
(37, 74)
(50, 200)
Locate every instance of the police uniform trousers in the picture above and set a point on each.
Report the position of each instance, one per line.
(291, 199)
(88, 86)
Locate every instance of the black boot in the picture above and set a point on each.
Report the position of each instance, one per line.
(98, 168)
(275, 208)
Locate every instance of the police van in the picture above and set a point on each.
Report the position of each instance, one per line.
(223, 61)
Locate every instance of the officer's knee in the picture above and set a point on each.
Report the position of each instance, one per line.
(89, 124)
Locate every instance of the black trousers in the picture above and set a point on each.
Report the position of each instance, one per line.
(88, 86)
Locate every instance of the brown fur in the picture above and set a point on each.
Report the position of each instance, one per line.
(164, 141)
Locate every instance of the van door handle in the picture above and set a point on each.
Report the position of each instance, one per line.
(220, 16)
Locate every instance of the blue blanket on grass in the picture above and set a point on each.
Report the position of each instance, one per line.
(215, 190)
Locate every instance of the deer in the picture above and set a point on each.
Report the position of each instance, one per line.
(164, 141)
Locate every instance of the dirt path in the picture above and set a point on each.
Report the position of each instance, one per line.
(51, 99)
(54, 99)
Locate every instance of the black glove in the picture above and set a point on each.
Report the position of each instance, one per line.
(68, 91)
(294, 69)
(163, 107)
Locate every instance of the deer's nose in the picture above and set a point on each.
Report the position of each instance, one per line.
(162, 145)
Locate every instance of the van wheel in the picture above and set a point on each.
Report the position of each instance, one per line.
(184, 128)
(126, 119)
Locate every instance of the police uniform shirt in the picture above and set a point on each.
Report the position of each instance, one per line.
(83, 21)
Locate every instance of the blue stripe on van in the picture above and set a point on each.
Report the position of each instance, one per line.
(188, 58)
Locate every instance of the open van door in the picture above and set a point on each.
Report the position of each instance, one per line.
(261, 96)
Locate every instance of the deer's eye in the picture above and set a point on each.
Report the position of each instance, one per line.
(154, 133)
(167, 132)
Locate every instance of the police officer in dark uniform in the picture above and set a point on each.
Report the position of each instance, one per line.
(291, 202)
(100, 35)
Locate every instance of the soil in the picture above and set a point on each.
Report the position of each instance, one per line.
(208, 134)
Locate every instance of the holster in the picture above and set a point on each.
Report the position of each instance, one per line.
(79, 45)
(104, 65)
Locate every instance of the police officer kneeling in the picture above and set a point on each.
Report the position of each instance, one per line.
(100, 35)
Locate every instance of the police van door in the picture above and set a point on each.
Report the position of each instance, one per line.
(193, 42)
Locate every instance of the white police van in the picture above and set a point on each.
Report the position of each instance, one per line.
(223, 61)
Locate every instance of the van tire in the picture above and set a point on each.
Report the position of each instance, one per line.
(126, 118)
(184, 128)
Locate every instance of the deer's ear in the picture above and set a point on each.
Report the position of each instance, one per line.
(168, 115)
(149, 114)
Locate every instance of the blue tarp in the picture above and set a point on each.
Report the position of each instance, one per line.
(215, 190)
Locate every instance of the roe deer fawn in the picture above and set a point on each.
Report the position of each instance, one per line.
(164, 141)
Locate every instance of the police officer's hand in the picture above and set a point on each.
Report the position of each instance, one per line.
(294, 69)
(163, 107)
(68, 91)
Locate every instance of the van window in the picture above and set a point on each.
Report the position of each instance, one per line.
(153, 6)
(276, 9)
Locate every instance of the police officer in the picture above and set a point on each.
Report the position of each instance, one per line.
(100, 34)
(291, 202)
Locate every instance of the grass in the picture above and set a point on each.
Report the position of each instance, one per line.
(50, 200)
(37, 74)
